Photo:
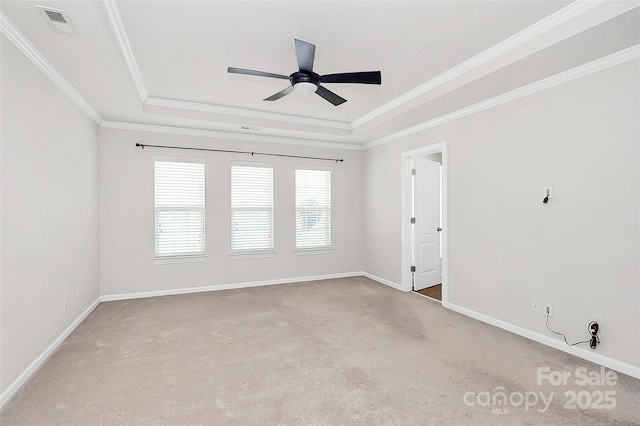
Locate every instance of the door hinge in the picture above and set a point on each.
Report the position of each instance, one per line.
(413, 269)
(413, 172)
(413, 220)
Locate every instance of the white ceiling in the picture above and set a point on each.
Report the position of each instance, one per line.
(164, 62)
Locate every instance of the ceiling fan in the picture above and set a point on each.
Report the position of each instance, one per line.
(306, 81)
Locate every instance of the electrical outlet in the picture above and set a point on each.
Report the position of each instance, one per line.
(78, 293)
(64, 303)
(535, 305)
(247, 265)
(379, 262)
(598, 319)
(548, 309)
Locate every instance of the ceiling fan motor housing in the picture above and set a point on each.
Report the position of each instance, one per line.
(303, 77)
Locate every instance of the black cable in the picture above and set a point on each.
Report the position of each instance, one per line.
(590, 341)
(337, 160)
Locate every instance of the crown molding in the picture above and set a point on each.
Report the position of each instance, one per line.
(227, 135)
(555, 80)
(550, 22)
(243, 112)
(125, 47)
(12, 33)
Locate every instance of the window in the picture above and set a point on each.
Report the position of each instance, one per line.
(179, 208)
(313, 209)
(251, 208)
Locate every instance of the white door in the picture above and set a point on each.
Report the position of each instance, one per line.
(427, 221)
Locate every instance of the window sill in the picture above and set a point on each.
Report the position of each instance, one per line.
(306, 252)
(252, 255)
(179, 259)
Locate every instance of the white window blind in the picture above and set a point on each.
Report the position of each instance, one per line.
(251, 209)
(313, 209)
(179, 208)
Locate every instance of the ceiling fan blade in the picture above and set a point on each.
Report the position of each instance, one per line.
(305, 52)
(233, 70)
(280, 94)
(364, 77)
(330, 96)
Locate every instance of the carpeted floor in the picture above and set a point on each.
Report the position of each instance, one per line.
(346, 351)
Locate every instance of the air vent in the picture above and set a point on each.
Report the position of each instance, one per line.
(57, 19)
(55, 16)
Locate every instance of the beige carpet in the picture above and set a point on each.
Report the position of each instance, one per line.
(348, 351)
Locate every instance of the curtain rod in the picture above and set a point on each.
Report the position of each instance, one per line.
(337, 160)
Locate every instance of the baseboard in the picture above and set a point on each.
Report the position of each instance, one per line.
(588, 355)
(44, 356)
(172, 292)
(383, 281)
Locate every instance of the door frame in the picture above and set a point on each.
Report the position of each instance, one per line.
(406, 249)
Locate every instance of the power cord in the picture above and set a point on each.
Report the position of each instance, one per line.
(592, 328)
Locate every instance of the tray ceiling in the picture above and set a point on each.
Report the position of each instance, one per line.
(164, 62)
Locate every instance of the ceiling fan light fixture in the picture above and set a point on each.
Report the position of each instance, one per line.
(305, 87)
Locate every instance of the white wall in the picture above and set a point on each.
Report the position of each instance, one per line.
(127, 215)
(580, 252)
(49, 213)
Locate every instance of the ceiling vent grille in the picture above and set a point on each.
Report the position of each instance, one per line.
(57, 19)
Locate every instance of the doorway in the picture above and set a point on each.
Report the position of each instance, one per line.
(424, 220)
(426, 214)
